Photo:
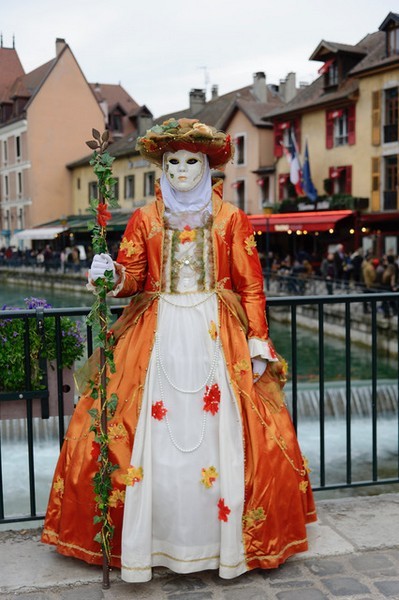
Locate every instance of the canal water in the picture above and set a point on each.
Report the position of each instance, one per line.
(13, 433)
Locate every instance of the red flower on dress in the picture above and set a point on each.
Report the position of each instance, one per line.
(224, 511)
(212, 399)
(95, 450)
(103, 215)
(158, 410)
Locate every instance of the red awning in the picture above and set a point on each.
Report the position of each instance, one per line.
(309, 221)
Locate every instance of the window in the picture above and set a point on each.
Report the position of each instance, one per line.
(19, 184)
(264, 187)
(340, 127)
(240, 190)
(5, 152)
(115, 189)
(149, 183)
(116, 123)
(282, 135)
(341, 178)
(240, 149)
(78, 183)
(129, 187)
(283, 182)
(391, 183)
(393, 41)
(93, 190)
(391, 115)
(332, 75)
(18, 147)
(20, 218)
(6, 186)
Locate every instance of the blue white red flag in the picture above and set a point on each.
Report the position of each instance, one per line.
(307, 183)
(295, 165)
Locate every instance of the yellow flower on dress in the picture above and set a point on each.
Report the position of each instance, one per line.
(303, 486)
(250, 244)
(209, 476)
(127, 246)
(58, 486)
(213, 330)
(116, 497)
(187, 235)
(241, 367)
(133, 475)
(116, 431)
(256, 515)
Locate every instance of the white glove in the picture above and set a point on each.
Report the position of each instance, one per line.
(100, 264)
(258, 367)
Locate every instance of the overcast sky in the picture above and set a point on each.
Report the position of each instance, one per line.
(159, 50)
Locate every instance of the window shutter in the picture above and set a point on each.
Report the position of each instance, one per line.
(329, 130)
(375, 184)
(297, 133)
(278, 138)
(352, 124)
(376, 118)
(348, 180)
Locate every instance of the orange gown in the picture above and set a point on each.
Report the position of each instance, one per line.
(278, 500)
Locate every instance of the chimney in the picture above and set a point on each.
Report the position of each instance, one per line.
(215, 92)
(60, 44)
(288, 89)
(197, 101)
(259, 86)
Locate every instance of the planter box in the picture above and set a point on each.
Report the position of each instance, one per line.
(17, 409)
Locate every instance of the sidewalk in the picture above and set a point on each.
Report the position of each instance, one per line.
(354, 553)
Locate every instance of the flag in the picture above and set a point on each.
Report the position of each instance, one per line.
(295, 165)
(307, 183)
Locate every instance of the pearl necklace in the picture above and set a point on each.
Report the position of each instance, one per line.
(209, 379)
(161, 297)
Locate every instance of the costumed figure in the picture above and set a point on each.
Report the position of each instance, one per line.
(210, 472)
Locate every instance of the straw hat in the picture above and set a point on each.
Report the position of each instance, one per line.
(186, 134)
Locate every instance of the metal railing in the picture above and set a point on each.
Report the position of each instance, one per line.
(317, 311)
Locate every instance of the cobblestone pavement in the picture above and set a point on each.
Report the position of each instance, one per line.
(372, 575)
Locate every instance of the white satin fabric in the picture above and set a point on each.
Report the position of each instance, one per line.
(170, 517)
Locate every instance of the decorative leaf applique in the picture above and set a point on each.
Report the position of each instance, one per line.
(213, 330)
(306, 464)
(250, 244)
(58, 486)
(224, 511)
(241, 367)
(212, 399)
(116, 498)
(187, 235)
(127, 246)
(117, 431)
(209, 476)
(256, 515)
(95, 450)
(303, 486)
(133, 475)
(158, 410)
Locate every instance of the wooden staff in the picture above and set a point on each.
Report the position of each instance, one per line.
(102, 167)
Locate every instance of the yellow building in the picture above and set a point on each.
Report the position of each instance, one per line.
(348, 118)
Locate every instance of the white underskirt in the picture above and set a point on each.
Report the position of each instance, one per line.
(170, 518)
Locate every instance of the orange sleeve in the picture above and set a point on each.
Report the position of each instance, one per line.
(131, 262)
(247, 276)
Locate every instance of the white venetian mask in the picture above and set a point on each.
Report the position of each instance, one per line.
(184, 169)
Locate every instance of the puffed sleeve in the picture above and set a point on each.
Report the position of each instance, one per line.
(247, 279)
(131, 263)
